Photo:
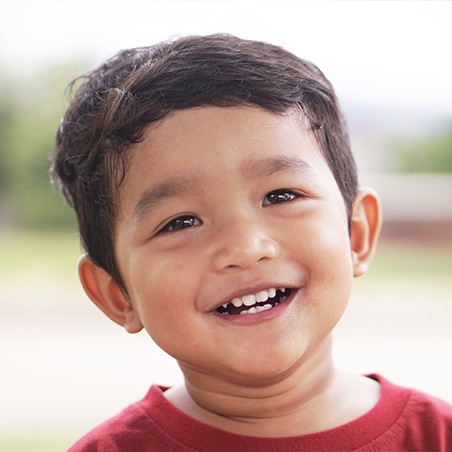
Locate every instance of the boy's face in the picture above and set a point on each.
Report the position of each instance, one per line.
(221, 204)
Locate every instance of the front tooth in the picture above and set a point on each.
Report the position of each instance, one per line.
(261, 296)
(237, 302)
(271, 293)
(249, 300)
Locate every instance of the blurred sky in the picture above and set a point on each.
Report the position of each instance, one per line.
(381, 53)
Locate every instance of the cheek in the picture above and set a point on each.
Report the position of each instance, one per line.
(163, 292)
(161, 276)
(330, 269)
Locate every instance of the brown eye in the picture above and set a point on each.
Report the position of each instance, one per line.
(279, 196)
(183, 222)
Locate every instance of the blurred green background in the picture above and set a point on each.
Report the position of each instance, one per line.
(65, 367)
(31, 109)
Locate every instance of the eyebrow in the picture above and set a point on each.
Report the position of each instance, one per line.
(251, 169)
(268, 166)
(170, 188)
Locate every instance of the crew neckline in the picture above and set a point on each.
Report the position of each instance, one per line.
(196, 435)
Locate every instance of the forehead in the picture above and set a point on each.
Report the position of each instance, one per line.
(198, 135)
(208, 145)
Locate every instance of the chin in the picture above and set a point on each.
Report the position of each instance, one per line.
(266, 371)
(280, 364)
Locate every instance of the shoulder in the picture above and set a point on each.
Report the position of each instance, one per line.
(419, 422)
(417, 403)
(430, 410)
(128, 430)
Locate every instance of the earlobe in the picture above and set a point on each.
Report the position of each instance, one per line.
(105, 293)
(365, 228)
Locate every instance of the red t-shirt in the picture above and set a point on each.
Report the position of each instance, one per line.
(402, 420)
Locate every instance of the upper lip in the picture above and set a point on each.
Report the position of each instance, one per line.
(251, 290)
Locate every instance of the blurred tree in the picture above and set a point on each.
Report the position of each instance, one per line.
(6, 118)
(430, 155)
(30, 111)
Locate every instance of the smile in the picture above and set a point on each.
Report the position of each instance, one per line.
(253, 304)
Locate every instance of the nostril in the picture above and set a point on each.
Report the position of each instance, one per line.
(263, 258)
(245, 251)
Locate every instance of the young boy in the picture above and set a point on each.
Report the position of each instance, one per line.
(218, 204)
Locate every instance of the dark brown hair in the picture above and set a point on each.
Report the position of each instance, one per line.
(136, 87)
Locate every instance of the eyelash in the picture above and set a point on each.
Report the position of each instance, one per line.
(280, 196)
(179, 223)
(189, 221)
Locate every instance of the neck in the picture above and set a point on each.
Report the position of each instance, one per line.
(311, 397)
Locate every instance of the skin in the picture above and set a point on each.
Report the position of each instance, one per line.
(219, 172)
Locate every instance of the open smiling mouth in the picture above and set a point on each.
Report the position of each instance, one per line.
(253, 304)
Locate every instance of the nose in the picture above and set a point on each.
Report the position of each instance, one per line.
(241, 244)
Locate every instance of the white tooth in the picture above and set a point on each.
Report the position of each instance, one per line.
(271, 292)
(243, 312)
(261, 296)
(282, 289)
(263, 308)
(225, 305)
(237, 302)
(249, 300)
(252, 310)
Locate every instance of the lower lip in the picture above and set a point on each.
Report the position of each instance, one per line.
(259, 317)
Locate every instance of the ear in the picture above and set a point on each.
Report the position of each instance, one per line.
(107, 295)
(365, 228)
